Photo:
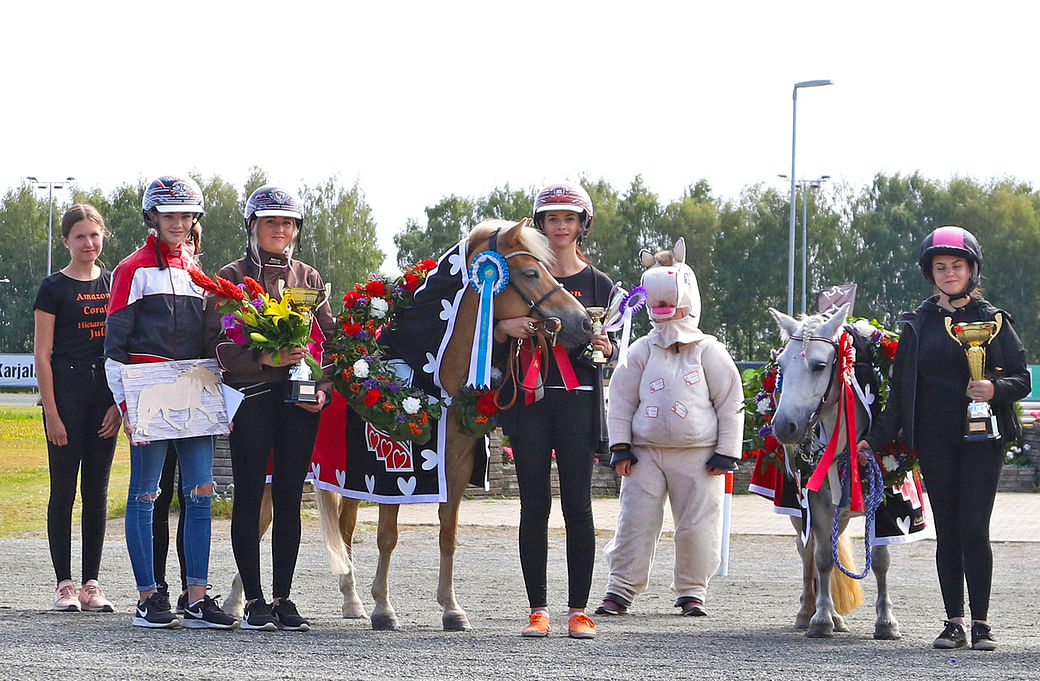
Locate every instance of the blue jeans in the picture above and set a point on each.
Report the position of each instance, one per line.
(195, 455)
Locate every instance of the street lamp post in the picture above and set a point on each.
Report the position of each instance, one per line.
(804, 186)
(50, 186)
(794, 129)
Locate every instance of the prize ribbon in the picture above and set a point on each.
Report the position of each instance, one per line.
(489, 274)
(630, 303)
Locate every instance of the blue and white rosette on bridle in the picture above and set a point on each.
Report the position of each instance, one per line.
(489, 274)
(619, 316)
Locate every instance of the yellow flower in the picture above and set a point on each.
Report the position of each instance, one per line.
(279, 310)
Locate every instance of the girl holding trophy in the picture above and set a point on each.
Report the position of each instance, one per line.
(568, 420)
(957, 412)
(278, 419)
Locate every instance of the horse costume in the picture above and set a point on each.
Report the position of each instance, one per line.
(677, 401)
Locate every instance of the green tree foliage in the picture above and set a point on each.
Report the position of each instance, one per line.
(23, 262)
(446, 223)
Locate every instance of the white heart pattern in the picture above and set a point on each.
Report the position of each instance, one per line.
(406, 485)
(316, 467)
(431, 363)
(341, 477)
(904, 524)
(429, 459)
(446, 310)
(457, 262)
(370, 483)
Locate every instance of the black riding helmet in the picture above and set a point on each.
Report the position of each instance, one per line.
(956, 241)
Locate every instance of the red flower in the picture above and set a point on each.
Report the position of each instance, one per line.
(254, 287)
(771, 444)
(375, 289)
(202, 281)
(229, 290)
(352, 328)
(769, 381)
(372, 396)
(351, 298)
(890, 347)
(486, 404)
(427, 265)
(411, 282)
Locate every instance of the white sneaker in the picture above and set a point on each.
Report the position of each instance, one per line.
(65, 599)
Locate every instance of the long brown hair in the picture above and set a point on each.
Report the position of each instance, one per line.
(78, 213)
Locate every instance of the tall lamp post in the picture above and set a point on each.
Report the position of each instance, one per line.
(50, 186)
(794, 130)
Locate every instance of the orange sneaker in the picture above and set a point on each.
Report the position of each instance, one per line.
(537, 627)
(579, 625)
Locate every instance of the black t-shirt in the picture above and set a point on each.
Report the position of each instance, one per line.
(80, 309)
(942, 370)
(592, 289)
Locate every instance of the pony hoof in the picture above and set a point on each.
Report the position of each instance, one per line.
(802, 622)
(385, 623)
(456, 623)
(887, 632)
(820, 631)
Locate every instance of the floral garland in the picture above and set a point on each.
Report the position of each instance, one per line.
(763, 385)
(476, 411)
(368, 381)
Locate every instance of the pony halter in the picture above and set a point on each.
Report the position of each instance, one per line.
(533, 305)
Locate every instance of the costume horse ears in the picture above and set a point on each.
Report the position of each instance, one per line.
(828, 329)
(648, 259)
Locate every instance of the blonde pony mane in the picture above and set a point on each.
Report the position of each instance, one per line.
(530, 239)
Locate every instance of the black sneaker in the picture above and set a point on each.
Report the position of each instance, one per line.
(287, 617)
(612, 605)
(206, 614)
(258, 616)
(981, 637)
(952, 636)
(691, 606)
(155, 613)
(182, 602)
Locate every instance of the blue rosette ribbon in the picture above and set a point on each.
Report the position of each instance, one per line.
(489, 275)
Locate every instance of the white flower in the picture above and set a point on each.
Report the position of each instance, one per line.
(411, 405)
(361, 368)
(889, 463)
(378, 307)
(763, 406)
(864, 328)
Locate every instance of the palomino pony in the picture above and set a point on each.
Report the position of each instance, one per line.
(811, 386)
(532, 291)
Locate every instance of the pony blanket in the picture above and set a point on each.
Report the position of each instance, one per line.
(900, 519)
(376, 467)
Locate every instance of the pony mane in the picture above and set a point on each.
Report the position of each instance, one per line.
(530, 239)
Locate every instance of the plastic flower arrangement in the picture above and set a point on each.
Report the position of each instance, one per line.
(252, 317)
(363, 375)
(762, 388)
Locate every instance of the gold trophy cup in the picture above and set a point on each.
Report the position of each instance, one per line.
(974, 336)
(597, 315)
(302, 387)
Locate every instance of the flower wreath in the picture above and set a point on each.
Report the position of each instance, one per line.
(763, 385)
(368, 381)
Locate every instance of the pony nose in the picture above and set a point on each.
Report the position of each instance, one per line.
(785, 430)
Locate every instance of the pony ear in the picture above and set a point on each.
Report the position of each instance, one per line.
(679, 252)
(512, 235)
(830, 328)
(646, 258)
(788, 325)
(527, 222)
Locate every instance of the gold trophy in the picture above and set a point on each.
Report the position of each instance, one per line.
(302, 387)
(974, 336)
(597, 315)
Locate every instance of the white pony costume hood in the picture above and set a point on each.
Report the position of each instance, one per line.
(671, 285)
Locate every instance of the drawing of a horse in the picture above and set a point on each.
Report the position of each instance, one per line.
(184, 393)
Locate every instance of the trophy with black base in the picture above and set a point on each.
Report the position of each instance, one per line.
(302, 387)
(974, 336)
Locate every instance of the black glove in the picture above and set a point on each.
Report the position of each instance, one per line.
(723, 463)
(621, 452)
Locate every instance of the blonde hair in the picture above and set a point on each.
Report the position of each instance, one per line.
(78, 213)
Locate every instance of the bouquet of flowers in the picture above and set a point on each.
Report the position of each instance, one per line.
(369, 382)
(252, 317)
(763, 386)
(476, 411)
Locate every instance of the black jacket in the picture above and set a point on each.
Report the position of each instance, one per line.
(1005, 366)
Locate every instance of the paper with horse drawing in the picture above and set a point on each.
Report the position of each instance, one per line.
(175, 400)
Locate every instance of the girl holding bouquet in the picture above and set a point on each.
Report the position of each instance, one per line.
(266, 427)
(568, 419)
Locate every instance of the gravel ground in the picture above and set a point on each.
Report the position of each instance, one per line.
(749, 634)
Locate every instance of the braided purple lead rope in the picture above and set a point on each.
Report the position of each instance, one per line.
(872, 502)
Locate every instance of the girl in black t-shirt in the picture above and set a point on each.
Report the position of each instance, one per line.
(80, 417)
(567, 421)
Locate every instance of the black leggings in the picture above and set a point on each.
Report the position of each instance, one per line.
(161, 519)
(266, 430)
(82, 397)
(562, 421)
(961, 478)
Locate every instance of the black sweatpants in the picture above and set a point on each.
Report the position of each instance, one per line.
(161, 519)
(961, 478)
(82, 397)
(562, 420)
(266, 430)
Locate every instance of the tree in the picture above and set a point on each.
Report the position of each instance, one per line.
(339, 236)
(446, 223)
(23, 262)
(223, 229)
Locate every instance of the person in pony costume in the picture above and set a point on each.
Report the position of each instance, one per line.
(675, 421)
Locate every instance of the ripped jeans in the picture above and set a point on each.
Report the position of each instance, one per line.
(195, 455)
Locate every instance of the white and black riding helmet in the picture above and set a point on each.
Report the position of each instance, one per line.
(272, 201)
(172, 194)
(564, 196)
(956, 241)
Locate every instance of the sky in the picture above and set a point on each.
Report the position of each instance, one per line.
(415, 101)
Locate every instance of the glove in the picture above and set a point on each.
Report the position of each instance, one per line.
(621, 452)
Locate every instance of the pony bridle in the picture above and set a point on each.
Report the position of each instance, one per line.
(815, 417)
(551, 329)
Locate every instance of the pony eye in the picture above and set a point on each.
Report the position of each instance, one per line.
(819, 366)
(530, 273)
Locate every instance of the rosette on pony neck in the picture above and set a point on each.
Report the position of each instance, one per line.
(619, 315)
(489, 274)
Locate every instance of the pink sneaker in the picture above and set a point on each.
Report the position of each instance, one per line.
(92, 598)
(65, 597)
